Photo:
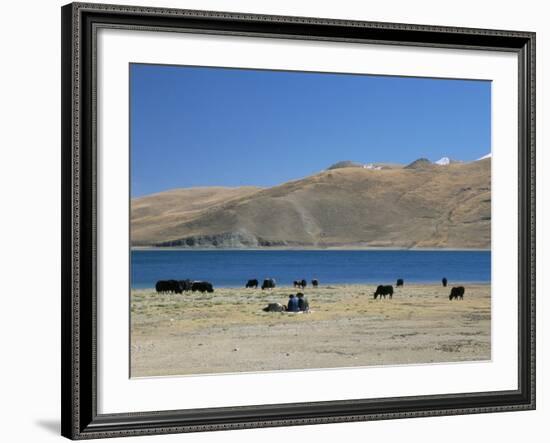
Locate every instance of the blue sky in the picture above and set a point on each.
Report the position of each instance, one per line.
(193, 126)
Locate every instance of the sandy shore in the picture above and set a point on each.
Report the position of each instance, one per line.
(227, 331)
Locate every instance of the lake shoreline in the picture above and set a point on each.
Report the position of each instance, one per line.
(312, 248)
(335, 285)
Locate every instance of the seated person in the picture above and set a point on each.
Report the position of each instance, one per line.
(292, 304)
(303, 302)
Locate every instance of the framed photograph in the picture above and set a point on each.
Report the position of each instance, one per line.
(275, 221)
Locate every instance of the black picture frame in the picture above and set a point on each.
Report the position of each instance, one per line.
(79, 178)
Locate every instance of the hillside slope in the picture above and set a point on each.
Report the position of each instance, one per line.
(436, 207)
(154, 217)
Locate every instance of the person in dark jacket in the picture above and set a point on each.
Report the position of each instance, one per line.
(292, 304)
(303, 302)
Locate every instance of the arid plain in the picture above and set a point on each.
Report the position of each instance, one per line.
(227, 331)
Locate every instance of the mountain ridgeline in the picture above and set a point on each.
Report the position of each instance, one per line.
(421, 205)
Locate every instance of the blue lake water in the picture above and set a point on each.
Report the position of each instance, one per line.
(232, 268)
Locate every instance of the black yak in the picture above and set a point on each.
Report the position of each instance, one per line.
(252, 283)
(399, 282)
(383, 290)
(269, 283)
(202, 286)
(168, 286)
(457, 292)
(160, 286)
(185, 285)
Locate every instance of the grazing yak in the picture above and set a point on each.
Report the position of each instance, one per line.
(315, 283)
(202, 286)
(300, 283)
(168, 286)
(173, 286)
(444, 282)
(252, 284)
(457, 292)
(185, 285)
(399, 282)
(274, 307)
(161, 286)
(383, 290)
(269, 283)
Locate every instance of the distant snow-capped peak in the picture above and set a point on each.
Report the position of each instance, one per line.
(443, 161)
(489, 155)
(371, 166)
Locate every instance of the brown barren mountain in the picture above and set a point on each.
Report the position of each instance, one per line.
(416, 207)
(154, 217)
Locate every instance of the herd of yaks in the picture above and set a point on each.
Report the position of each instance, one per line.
(269, 283)
(180, 286)
(457, 292)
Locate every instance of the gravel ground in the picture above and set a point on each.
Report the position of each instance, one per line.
(227, 331)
